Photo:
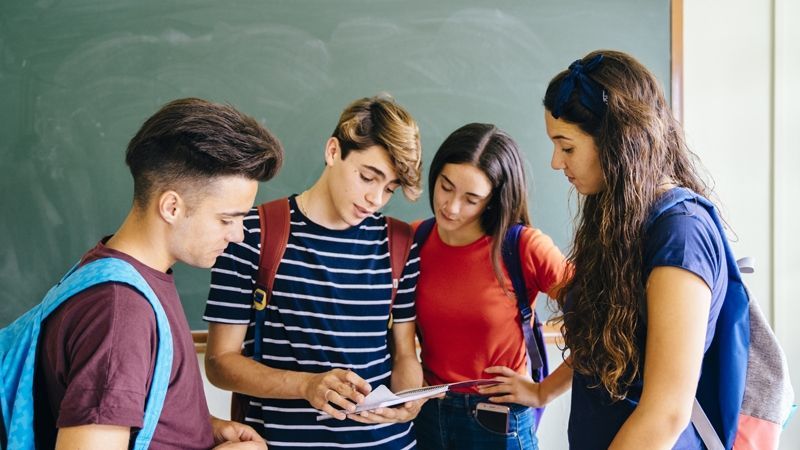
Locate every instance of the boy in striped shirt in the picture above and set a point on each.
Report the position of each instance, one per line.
(325, 344)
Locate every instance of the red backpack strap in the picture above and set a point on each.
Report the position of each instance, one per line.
(400, 240)
(274, 219)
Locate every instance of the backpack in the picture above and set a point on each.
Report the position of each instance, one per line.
(274, 218)
(529, 320)
(18, 351)
(744, 395)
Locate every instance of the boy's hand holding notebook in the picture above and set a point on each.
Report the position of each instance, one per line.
(382, 397)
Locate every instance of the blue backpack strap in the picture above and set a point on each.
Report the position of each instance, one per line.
(727, 356)
(533, 343)
(423, 231)
(532, 332)
(104, 270)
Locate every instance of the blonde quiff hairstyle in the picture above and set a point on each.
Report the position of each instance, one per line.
(379, 120)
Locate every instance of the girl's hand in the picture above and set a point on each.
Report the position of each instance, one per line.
(513, 388)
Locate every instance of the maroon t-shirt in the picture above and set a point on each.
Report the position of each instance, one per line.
(96, 359)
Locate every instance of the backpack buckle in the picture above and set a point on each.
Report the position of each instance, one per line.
(259, 299)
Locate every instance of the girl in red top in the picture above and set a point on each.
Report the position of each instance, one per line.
(467, 314)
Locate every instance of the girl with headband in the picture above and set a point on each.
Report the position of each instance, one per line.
(640, 311)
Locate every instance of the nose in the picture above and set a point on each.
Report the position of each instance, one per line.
(236, 234)
(375, 197)
(451, 206)
(557, 161)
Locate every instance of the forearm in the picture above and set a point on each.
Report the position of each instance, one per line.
(650, 428)
(236, 372)
(557, 383)
(406, 372)
(89, 437)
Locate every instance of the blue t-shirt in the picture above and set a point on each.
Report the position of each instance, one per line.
(683, 236)
(329, 309)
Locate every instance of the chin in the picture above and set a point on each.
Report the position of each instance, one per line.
(206, 263)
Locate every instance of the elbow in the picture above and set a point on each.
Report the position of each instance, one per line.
(666, 420)
(678, 422)
(675, 420)
(214, 371)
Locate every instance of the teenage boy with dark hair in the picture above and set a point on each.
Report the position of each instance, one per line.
(325, 340)
(196, 167)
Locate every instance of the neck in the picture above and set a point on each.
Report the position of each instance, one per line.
(316, 203)
(462, 236)
(665, 185)
(143, 238)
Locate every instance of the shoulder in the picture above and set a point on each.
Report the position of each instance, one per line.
(681, 222)
(534, 239)
(115, 304)
(101, 319)
(687, 237)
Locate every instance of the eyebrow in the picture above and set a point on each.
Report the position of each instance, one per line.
(234, 213)
(560, 136)
(472, 194)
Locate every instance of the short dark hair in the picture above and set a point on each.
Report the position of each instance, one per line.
(192, 140)
(497, 155)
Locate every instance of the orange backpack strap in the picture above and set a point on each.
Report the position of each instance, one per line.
(274, 219)
(400, 240)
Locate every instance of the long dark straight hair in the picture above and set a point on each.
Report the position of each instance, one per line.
(640, 145)
(497, 155)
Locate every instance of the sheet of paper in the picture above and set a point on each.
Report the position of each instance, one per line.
(382, 397)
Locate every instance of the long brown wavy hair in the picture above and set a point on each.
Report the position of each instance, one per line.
(640, 145)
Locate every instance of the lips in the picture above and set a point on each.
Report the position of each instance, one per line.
(362, 212)
(446, 217)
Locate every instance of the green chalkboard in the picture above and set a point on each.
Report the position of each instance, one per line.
(77, 79)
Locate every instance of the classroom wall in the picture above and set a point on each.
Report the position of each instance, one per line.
(741, 104)
(786, 185)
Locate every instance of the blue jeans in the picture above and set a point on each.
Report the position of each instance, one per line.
(449, 423)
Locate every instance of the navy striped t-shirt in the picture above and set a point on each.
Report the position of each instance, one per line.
(329, 309)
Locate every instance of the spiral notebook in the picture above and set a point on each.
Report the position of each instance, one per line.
(382, 397)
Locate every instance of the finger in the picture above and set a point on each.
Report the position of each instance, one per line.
(509, 398)
(249, 434)
(333, 412)
(368, 417)
(384, 415)
(347, 390)
(496, 389)
(339, 400)
(357, 382)
(502, 370)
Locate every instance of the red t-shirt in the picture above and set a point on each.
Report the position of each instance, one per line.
(96, 359)
(466, 322)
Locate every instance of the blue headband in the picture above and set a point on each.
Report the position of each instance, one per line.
(592, 95)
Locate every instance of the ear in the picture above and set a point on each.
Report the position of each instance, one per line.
(332, 151)
(171, 206)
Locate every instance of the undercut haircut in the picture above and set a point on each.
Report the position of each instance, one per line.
(190, 142)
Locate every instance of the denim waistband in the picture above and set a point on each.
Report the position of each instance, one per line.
(468, 402)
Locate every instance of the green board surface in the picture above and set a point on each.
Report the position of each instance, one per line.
(78, 78)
